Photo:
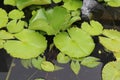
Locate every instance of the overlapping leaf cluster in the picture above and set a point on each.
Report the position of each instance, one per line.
(27, 41)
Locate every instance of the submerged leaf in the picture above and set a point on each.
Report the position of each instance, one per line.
(111, 71)
(90, 62)
(47, 66)
(76, 43)
(37, 62)
(75, 66)
(27, 63)
(94, 28)
(3, 18)
(31, 45)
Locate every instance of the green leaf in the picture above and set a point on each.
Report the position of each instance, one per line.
(37, 62)
(27, 63)
(39, 79)
(57, 1)
(61, 58)
(3, 18)
(2, 43)
(113, 3)
(75, 66)
(25, 3)
(6, 35)
(111, 71)
(94, 28)
(72, 4)
(30, 44)
(16, 14)
(47, 66)
(15, 26)
(51, 21)
(90, 62)
(10, 2)
(111, 41)
(76, 43)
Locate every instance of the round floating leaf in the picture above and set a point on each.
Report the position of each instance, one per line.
(76, 43)
(31, 45)
(94, 28)
(61, 58)
(47, 66)
(75, 66)
(16, 14)
(90, 62)
(3, 18)
(57, 1)
(111, 71)
(72, 4)
(15, 26)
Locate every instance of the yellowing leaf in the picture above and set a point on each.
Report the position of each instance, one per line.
(2, 43)
(111, 71)
(30, 45)
(3, 18)
(76, 43)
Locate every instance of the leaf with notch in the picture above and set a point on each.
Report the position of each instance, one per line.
(30, 44)
(75, 44)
